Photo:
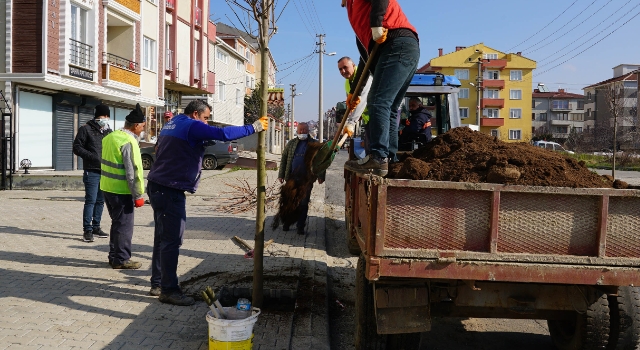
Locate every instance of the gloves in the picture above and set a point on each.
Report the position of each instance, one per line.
(352, 102)
(261, 124)
(138, 202)
(349, 129)
(379, 34)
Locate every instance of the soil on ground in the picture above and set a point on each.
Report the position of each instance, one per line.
(464, 155)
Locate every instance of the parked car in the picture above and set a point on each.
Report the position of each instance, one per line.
(552, 146)
(215, 156)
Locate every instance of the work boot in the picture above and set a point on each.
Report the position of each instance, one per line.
(127, 265)
(369, 164)
(176, 298)
(88, 236)
(98, 232)
(155, 291)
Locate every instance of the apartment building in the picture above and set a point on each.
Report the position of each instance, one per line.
(598, 113)
(495, 83)
(69, 56)
(558, 113)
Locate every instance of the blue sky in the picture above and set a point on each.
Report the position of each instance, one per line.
(551, 28)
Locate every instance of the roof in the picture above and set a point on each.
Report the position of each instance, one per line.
(632, 76)
(222, 29)
(556, 95)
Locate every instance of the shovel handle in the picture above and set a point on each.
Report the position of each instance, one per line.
(358, 90)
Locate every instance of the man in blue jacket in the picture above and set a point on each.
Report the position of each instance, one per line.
(418, 123)
(177, 168)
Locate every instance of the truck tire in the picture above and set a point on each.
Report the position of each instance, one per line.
(367, 337)
(625, 319)
(586, 331)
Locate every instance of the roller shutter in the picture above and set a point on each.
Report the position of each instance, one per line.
(64, 137)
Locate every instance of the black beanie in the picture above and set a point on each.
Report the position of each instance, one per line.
(102, 110)
(136, 115)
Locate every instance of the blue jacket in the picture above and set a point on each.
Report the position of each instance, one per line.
(180, 149)
(419, 122)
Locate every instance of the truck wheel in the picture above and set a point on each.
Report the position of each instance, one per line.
(586, 331)
(625, 319)
(367, 337)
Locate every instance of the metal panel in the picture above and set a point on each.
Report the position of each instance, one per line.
(623, 228)
(64, 137)
(84, 115)
(26, 51)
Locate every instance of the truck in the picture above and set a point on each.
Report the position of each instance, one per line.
(434, 249)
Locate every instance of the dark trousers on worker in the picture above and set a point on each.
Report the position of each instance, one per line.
(120, 207)
(303, 210)
(93, 200)
(170, 216)
(394, 70)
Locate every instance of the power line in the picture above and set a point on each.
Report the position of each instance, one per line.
(543, 28)
(316, 12)
(313, 15)
(303, 20)
(307, 60)
(571, 20)
(296, 63)
(307, 18)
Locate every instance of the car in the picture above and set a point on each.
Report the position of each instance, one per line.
(216, 156)
(552, 146)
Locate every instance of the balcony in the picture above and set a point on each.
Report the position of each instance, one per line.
(120, 73)
(133, 5)
(81, 54)
(198, 19)
(491, 83)
(169, 61)
(491, 121)
(492, 102)
(561, 122)
(171, 5)
(496, 64)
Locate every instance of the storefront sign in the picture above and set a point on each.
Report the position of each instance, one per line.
(80, 73)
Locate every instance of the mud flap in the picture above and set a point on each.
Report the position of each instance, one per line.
(402, 309)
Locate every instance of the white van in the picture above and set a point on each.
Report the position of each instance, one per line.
(552, 146)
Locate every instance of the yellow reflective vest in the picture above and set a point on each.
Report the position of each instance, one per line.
(347, 88)
(121, 165)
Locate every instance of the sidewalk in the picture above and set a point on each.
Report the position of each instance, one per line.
(59, 292)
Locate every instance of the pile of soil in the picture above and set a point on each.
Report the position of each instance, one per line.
(464, 155)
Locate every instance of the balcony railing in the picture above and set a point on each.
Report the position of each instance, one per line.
(198, 17)
(492, 102)
(169, 61)
(492, 83)
(121, 62)
(81, 54)
(484, 121)
(171, 5)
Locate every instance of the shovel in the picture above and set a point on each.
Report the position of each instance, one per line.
(324, 157)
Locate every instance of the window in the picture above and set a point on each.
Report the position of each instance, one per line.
(464, 113)
(464, 93)
(490, 56)
(533, 116)
(253, 83)
(149, 54)
(492, 113)
(249, 56)
(238, 97)
(222, 56)
(491, 93)
(580, 104)
(239, 65)
(577, 129)
(495, 133)
(492, 74)
(589, 95)
(515, 94)
(576, 116)
(560, 104)
(516, 75)
(533, 103)
(80, 52)
(221, 86)
(563, 116)
(561, 129)
(515, 134)
(515, 113)
(247, 82)
(543, 117)
(462, 74)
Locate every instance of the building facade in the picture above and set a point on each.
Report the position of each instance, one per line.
(69, 56)
(557, 113)
(496, 89)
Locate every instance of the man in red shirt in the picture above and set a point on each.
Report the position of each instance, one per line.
(382, 22)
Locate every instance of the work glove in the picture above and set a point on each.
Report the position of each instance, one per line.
(352, 102)
(349, 129)
(261, 124)
(379, 34)
(138, 202)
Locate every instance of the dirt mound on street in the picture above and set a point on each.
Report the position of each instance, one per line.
(464, 155)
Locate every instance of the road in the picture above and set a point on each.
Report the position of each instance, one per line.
(448, 333)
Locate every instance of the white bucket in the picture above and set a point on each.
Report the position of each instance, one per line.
(231, 330)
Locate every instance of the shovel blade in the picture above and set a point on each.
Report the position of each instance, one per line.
(323, 158)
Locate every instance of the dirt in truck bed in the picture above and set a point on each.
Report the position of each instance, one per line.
(464, 155)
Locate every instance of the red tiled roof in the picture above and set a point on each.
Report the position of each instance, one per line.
(556, 94)
(633, 76)
(426, 69)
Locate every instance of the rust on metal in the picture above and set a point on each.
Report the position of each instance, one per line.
(381, 206)
(495, 215)
(387, 297)
(602, 226)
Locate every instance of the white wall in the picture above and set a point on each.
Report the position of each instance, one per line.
(35, 129)
(183, 48)
(150, 29)
(228, 111)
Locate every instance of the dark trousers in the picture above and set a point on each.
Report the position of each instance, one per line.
(170, 216)
(303, 210)
(120, 207)
(93, 200)
(394, 70)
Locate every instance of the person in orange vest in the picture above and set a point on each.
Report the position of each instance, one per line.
(384, 23)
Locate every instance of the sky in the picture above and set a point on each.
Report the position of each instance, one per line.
(551, 32)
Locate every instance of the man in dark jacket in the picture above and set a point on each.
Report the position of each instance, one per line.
(418, 123)
(88, 146)
(177, 170)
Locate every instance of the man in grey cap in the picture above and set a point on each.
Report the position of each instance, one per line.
(88, 146)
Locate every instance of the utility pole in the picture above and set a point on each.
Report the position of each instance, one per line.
(291, 115)
(320, 52)
(479, 90)
(289, 119)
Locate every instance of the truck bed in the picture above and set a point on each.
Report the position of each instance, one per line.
(493, 232)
